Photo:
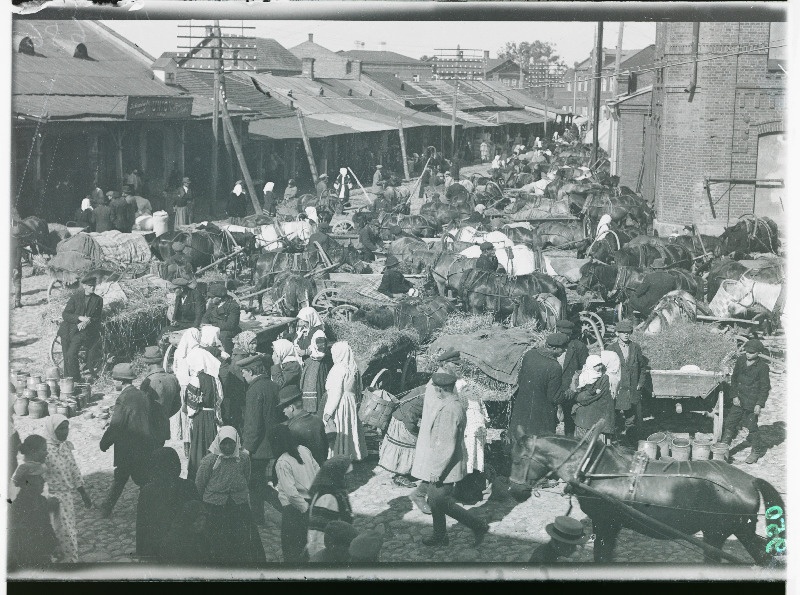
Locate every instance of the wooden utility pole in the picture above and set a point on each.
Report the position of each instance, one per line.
(215, 123)
(406, 171)
(453, 122)
(545, 109)
(618, 59)
(591, 81)
(575, 90)
(598, 65)
(312, 165)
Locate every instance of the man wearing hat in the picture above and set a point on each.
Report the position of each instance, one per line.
(393, 283)
(223, 313)
(124, 211)
(81, 327)
(322, 185)
(750, 386)
(184, 204)
(571, 361)
(261, 415)
(189, 304)
(117, 205)
(307, 429)
(178, 263)
(138, 426)
(370, 240)
(540, 391)
(632, 372)
(103, 216)
(160, 386)
(487, 261)
(566, 535)
(440, 456)
(377, 177)
(655, 285)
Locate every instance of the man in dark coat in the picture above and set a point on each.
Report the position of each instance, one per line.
(234, 388)
(189, 304)
(261, 416)
(655, 285)
(224, 314)
(393, 284)
(632, 371)
(307, 429)
(103, 216)
(81, 327)
(138, 427)
(322, 185)
(159, 385)
(539, 391)
(487, 261)
(571, 362)
(750, 386)
(178, 263)
(124, 211)
(370, 240)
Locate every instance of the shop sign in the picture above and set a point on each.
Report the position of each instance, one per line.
(158, 108)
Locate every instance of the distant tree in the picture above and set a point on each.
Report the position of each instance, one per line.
(528, 54)
(426, 58)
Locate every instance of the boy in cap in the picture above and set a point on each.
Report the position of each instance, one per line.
(487, 261)
(393, 283)
(160, 386)
(189, 304)
(223, 313)
(81, 328)
(632, 372)
(750, 386)
(566, 535)
(307, 429)
(178, 263)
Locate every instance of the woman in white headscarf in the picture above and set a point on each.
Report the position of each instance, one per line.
(287, 365)
(203, 405)
(310, 340)
(613, 366)
(86, 214)
(344, 388)
(237, 201)
(179, 423)
(343, 185)
(269, 198)
(603, 227)
(64, 479)
(593, 400)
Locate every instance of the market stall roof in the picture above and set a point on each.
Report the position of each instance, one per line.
(240, 89)
(521, 99)
(512, 117)
(286, 128)
(397, 88)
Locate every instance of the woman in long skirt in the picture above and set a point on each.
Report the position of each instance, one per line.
(63, 480)
(399, 444)
(343, 386)
(222, 480)
(179, 423)
(315, 372)
(203, 401)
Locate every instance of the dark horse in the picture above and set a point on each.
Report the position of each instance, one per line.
(613, 282)
(708, 496)
(611, 242)
(203, 246)
(643, 255)
(751, 234)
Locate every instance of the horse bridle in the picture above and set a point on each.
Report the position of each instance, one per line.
(529, 458)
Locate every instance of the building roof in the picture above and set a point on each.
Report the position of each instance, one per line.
(495, 63)
(635, 94)
(393, 86)
(519, 98)
(166, 59)
(610, 57)
(379, 57)
(285, 128)
(240, 88)
(309, 49)
(273, 56)
(641, 59)
(268, 54)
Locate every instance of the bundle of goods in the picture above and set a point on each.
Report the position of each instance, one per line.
(369, 344)
(685, 343)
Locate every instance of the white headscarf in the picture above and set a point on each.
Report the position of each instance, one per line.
(52, 422)
(223, 433)
(190, 340)
(86, 204)
(200, 360)
(603, 226)
(310, 315)
(613, 370)
(284, 351)
(589, 375)
(344, 369)
(269, 186)
(311, 212)
(343, 171)
(238, 190)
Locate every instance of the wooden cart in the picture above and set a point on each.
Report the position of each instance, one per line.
(690, 386)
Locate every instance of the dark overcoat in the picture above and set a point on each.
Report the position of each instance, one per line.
(539, 392)
(632, 372)
(261, 415)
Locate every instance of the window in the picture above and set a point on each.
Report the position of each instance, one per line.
(415, 78)
(348, 69)
(569, 86)
(506, 82)
(235, 58)
(603, 84)
(776, 58)
(514, 82)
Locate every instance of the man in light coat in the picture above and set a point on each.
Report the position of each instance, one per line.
(440, 457)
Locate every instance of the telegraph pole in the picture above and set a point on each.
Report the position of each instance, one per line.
(575, 90)
(598, 65)
(453, 121)
(618, 58)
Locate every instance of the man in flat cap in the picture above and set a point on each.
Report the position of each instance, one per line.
(655, 285)
(632, 372)
(224, 313)
(571, 361)
(540, 391)
(750, 386)
(487, 261)
(162, 387)
(189, 304)
(440, 456)
(178, 263)
(306, 428)
(81, 327)
(393, 283)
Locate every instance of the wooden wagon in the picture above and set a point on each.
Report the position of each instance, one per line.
(690, 389)
(342, 294)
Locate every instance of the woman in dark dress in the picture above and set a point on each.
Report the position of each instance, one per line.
(203, 401)
(187, 542)
(161, 500)
(311, 345)
(287, 366)
(31, 539)
(237, 202)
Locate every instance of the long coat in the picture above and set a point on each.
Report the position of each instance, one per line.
(225, 316)
(632, 371)
(441, 451)
(261, 416)
(80, 304)
(592, 406)
(192, 308)
(539, 392)
(103, 218)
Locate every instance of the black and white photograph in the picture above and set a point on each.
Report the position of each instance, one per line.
(438, 294)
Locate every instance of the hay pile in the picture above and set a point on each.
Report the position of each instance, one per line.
(368, 343)
(687, 343)
(128, 326)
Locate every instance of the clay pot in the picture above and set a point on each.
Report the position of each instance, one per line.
(29, 394)
(63, 409)
(72, 404)
(52, 373)
(67, 385)
(21, 406)
(21, 385)
(38, 409)
(42, 390)
(53, 385)
(33, 381)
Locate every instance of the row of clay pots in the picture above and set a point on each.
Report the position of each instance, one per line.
(38, 408)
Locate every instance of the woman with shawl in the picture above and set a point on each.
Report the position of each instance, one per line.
(329, 501)
(161, 500)
(222, 480)
(188, 542)
(310, 333)
(344, 388)
(287, 365)
(86, 215)
(237, 201)
(269, 198)
(64, 479)
(31, 540)
(190, 340)
(593, 400)
(295, 470)
(203, 404)
(312, 342)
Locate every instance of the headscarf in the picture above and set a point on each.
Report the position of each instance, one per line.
(165, 464)
(480, 208)
(310, 315)
(189, 340)
(86, 204)
(342, 171)
(238, 190)
(311, 212)
(246, 342)
(269, 186)
(603, 226)
(51, 422)
(284, 350)
(589, 375)
(613, 370)
(345, 369)
(331, 475)
(223, 433)
(200, 360)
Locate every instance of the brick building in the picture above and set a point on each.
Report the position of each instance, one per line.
(384, 62)
(730, 127)
(319, 61)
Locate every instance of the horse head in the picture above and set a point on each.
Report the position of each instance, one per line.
(527, 468)
(590, 280)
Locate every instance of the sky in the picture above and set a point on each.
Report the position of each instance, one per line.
(573, 40)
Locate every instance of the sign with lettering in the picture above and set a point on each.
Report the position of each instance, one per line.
(158, 108)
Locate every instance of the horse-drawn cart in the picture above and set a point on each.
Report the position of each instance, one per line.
(692, 391)
(343, 294)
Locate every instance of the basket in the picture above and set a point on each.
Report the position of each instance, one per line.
(377, 406)
(730, 292)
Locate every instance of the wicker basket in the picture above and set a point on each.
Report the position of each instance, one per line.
(377, 406)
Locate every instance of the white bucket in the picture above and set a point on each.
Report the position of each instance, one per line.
(145, 222)
(160, 222)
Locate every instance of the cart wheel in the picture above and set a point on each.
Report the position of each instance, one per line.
(168, 353)
(601, 326)
(342, 312)
(343, 227)
(326, 299)
(590, 333)
(409, 370)
(57, 353)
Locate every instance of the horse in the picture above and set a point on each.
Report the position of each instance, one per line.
(620, 207)
(613, 281)
(697, 244)
(603, 249)
(645, 254)
(560, 233)
(425, 315)
(447, 270)
(410, 225)
(440, 214)
(291, 292)
(726, 268)
(675, 305)
(523, 233)
(484, 291)
(711, 497)
(202, 248)
(347, 257)
(751, 234)
(33, 236)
